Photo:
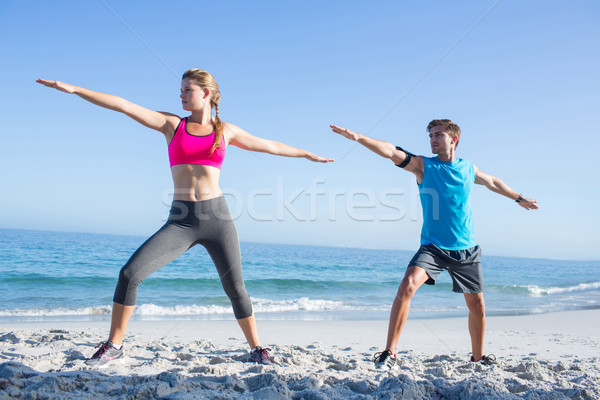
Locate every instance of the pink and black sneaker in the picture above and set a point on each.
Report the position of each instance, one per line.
(261, 356)
(107, 353)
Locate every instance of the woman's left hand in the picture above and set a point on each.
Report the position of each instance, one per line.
(314, 158)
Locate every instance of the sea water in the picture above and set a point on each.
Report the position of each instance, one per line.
(57, 275)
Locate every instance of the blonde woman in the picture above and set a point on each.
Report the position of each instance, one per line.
(199, 215)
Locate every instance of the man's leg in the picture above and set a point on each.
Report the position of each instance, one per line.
(476, 307)
(413, 279)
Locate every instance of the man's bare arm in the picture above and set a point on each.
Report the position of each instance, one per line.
(384, 149)
(496, 184)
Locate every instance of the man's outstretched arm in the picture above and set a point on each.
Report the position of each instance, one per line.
(496, 184)
(384, 149)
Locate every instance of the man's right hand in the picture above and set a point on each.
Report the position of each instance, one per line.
(345, 132)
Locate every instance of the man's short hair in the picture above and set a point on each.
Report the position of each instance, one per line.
(449, 127)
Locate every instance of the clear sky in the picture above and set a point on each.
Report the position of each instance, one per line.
(520, 78)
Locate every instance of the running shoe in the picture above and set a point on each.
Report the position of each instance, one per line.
(486, 360)
(261, 356)
(385, 360)
(107, 353)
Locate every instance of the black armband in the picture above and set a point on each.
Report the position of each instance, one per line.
(409, 156)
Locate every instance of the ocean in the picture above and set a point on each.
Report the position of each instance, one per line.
(48, 276)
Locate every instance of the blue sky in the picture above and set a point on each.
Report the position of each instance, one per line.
(520, 78)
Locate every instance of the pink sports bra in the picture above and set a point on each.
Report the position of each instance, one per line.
(186, 148)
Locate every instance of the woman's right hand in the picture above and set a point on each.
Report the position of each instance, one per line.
(159, 121)
(63, 87)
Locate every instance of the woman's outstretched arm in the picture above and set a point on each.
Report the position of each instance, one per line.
(159, 121)
(242, 139)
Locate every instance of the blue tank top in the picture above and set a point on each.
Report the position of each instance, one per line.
(445, 197)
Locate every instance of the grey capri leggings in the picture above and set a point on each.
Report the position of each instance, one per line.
(206, 222)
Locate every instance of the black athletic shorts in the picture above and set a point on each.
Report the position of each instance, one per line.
(464, 266)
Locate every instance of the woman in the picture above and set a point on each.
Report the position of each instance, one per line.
(199, 213)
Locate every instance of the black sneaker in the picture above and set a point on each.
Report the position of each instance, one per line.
(385, 360)
(107, 353)
(261, 356)
(486, 360)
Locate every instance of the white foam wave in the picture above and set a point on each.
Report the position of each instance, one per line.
(101, 310)
(302, 304)
(259, 305)
(155, 310)
(539, 291)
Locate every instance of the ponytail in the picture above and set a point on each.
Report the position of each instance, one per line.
(218, 130)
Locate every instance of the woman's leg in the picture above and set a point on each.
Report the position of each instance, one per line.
(160, 249)
(248, 326)
(120, 318)
(224, 250)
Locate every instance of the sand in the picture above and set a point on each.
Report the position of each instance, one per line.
(547, 356)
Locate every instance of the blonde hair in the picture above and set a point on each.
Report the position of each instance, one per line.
(449, 127)
(206, 81)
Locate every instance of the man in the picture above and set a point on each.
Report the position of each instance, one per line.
(447, 240)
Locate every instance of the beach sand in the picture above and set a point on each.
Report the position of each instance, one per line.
(546, 356)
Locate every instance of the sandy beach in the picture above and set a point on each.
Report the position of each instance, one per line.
(546, 356)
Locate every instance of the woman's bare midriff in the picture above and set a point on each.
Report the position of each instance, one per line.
(195, 182)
